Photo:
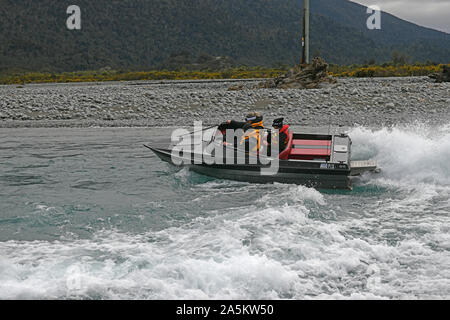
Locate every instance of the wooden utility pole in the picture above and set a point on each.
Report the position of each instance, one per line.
(305, 37)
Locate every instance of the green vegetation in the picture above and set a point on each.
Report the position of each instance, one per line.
(385, 70)
(111, 75)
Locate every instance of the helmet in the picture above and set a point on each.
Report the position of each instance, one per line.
(253, 117)
(278, 122)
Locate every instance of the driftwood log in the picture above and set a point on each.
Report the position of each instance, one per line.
(443, 76)
(306, 76)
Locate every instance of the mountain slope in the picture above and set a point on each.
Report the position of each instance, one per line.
(144, 33)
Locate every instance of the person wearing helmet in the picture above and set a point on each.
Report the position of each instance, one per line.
(254, 131)
(282, 132)
(253, 128)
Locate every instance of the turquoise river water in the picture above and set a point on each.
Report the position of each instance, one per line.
(92, 214)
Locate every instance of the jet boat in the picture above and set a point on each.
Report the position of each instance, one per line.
(314, 160)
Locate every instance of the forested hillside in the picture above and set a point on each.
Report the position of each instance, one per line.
(149, 34)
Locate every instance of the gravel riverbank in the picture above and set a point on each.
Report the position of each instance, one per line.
(367, 101)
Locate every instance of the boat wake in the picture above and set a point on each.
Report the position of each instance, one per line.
(406, 154)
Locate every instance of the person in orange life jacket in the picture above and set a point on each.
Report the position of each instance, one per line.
(283, 135)
(252, 127)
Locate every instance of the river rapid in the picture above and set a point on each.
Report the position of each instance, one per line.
(89, 213)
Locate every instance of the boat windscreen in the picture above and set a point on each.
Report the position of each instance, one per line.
(208, 135)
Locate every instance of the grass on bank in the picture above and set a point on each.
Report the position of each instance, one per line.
(234, 73)
(367, 71)
(111, 75)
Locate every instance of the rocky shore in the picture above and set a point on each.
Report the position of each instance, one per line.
(365, 101)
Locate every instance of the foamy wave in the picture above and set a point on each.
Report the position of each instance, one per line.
(247, 253)
(411, 154)
(291, 194)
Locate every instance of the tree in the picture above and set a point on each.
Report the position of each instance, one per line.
(399, 58)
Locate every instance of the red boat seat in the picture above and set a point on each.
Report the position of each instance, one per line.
(298, 142)
(310, 149)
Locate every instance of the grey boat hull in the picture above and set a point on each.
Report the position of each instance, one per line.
(289, 172)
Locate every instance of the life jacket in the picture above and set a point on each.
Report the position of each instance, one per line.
(285, 129)
(275, 139)
(275, 134)
(254, 133)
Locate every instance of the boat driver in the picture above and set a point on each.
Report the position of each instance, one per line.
(252, 127)
(283, 135)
